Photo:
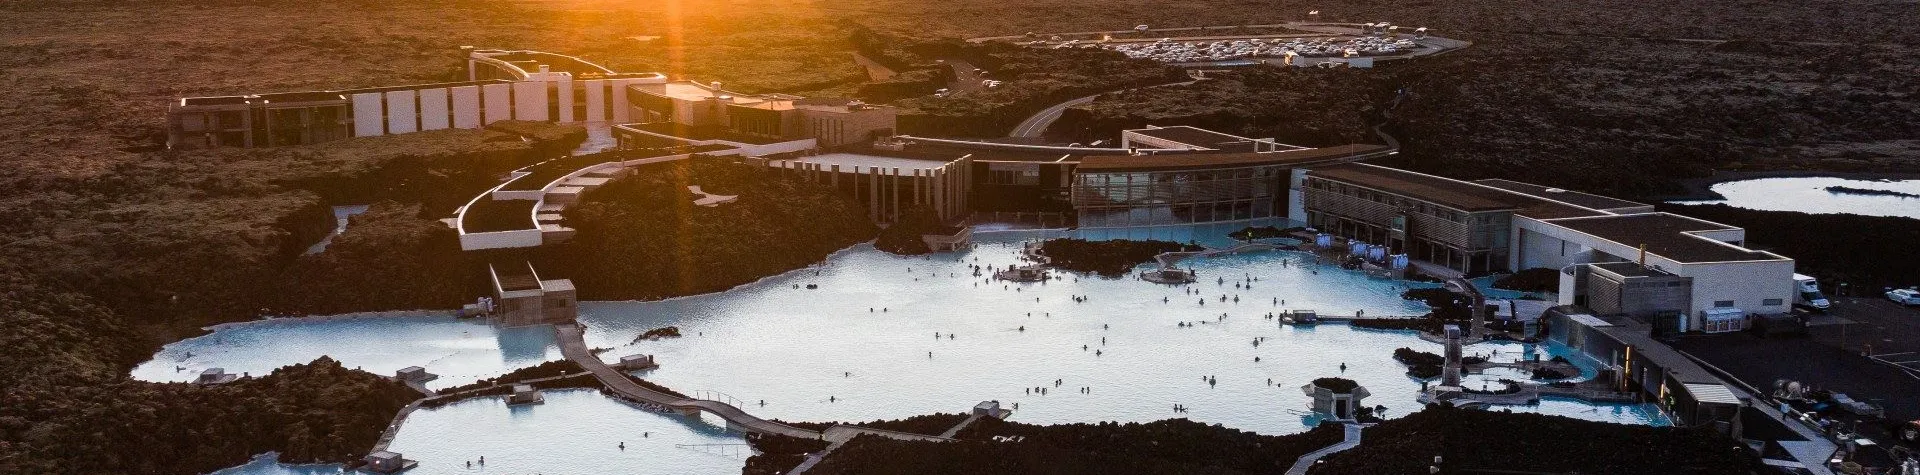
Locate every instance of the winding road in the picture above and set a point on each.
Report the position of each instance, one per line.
(1037, 124)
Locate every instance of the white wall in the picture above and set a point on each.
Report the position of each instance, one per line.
(466, 107)
(530, 100)
(1129, 139)
(1297, 196)
(498, 105)
(1747, 284)
(619, 103)
(1541, 244)
(1726, 235)
(433, 109)
(403, 113)
(368, 118)
(768, 149)
(596, 100)
(563, 90)
(500, 239)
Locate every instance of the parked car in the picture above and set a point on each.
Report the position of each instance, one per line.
(1904, 296)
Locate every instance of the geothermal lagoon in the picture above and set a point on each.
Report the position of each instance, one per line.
(861, 345)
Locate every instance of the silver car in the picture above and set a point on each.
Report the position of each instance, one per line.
(1904, 296)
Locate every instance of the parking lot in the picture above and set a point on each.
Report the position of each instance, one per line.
(1878, 326)
(1831, 357)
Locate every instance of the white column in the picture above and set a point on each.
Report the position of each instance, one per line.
(369, 119)
(499, 105)
(564, 94)
(466, 107)
(596, 100)
(530, 100)
(433, 109)
(619, 103)
(402, 113)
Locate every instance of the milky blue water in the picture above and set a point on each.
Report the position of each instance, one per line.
(574, 431)
(862, 346)
(459, 351)
(1809, 195)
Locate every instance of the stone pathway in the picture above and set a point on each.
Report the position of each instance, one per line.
(1306, 461)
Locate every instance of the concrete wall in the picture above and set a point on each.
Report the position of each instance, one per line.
(498, 105)
(1735, 235)
(530, 100)
(1130, 139)
(1542, 244)
(403, 112)
(563, 92)
(618, 105)
(1747, 284)
(1297, 196)
(369, 119)
(596, 91)
(466, 107)
(854, 126)
(500, 239)
(433, 109)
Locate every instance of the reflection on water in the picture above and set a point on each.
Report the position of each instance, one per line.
(1809, 195)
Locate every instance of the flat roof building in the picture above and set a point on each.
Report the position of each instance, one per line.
(832, 122)
(501, 85)
(1479, 227)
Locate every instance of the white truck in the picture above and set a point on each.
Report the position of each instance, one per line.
(1806, 294)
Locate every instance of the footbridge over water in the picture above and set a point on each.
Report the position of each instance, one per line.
(1170, 260)
(572, 340)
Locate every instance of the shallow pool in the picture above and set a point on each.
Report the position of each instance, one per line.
(1809, 195)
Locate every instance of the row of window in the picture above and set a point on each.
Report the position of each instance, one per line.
(1124, 216)
(1390, 199)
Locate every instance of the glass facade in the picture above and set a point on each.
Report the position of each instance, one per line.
(1150, 198)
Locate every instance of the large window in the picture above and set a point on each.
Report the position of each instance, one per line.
(1176, 197)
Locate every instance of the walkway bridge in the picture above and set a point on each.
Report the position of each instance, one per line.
(573, 344)
(1170, 260)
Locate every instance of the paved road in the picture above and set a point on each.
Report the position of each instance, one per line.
(1037, 124)
(965, 78)
(1880, 324)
